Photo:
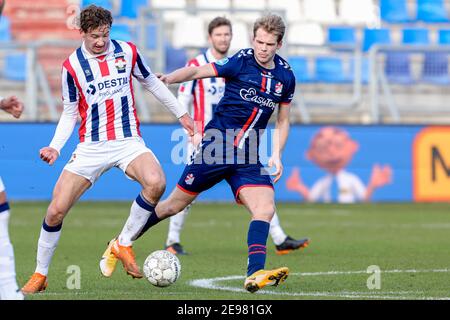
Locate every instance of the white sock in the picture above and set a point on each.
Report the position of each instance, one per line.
(9, 289)
(276, 232)
(48, 241)
(139, 214)
(176, 225)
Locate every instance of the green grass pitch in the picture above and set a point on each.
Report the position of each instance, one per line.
(409, 242)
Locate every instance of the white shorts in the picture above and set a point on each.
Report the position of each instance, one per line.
(2, 186)
(92, 159)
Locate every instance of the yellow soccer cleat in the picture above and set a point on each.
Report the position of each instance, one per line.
(109, 261)
(262, 278)
(37, 283)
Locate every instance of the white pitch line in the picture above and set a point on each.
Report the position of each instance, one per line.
(211, 284)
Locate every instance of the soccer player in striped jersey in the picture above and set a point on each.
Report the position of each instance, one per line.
(97, 86)
(9, 290)
(202, 97)
(258, 82)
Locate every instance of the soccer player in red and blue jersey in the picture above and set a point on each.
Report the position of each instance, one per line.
(97, 86)
(258, 81)
(205, 95)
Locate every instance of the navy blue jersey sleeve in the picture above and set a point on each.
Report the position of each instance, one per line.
(229, 67)
(290, 90)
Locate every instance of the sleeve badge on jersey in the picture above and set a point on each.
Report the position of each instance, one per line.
(222, 62)
(121, 64)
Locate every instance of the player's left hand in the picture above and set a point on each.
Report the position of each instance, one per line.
(12, 105)
(187, 123)
(276, 161)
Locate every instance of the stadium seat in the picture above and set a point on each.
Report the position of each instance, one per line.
(241, 36)
(395, 11)
(121, 32)
(177, 12)
(15, 67)
(432, 11)
(185, 29)
(398, 68)
(341, 36)
(305, 33)
(292, 9)
(175, 58)
(375, 36)
(5, 29)
(415, 36)
(330, 70)
(107, 4)
(359, 12)
(251, 5)
(435, 68)
(215, 8)
(321, 11)
(215, 4)
(300, 68)
(130, 8)
(444, 37)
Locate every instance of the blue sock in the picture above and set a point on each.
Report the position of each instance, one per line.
(256, 240)
(152, 219)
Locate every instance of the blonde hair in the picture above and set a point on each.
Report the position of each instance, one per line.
(271, 23)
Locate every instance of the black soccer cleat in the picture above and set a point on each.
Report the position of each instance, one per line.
(176, 248)
(291, 244)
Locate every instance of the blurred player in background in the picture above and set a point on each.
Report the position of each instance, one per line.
(258, 81)
(97, 85)
(9, 290)
(202, 96)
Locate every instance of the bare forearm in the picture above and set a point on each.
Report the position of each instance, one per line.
(280, 136)
(182, 75)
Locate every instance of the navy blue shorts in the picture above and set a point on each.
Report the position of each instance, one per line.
(197, 178)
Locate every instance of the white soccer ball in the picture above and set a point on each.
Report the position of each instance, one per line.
(162, 268)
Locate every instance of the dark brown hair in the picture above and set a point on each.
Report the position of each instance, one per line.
(271, 23)
(218, 22)
(93, 17)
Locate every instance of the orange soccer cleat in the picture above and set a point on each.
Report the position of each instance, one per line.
(126, 255)
(37, 283)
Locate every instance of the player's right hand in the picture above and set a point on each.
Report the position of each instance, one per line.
(49, 155)
(187, 123)
(163, 78)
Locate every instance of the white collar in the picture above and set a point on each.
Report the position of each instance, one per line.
(89, 55)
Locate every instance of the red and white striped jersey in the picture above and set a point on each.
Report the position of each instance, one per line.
(204, 94)
(102, 90)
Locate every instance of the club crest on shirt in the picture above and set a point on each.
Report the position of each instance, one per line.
(121, 64)
(278, 87)
(189, 179)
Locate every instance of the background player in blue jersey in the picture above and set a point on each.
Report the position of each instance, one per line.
(258, 81)
(9, 289)
(201, 97)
